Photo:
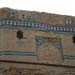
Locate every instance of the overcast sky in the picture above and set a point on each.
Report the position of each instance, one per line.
(66, 7)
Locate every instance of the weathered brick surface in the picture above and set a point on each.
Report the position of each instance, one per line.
(46, 53)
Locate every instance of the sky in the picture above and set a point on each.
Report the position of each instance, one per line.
(63, 7)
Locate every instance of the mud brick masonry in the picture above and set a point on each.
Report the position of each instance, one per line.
(36, 43)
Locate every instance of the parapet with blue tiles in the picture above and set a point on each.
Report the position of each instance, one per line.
(38, 26)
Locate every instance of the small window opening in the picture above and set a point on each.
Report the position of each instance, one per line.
(19, 34)
(23, 16)
(68, 21)
(73, 39)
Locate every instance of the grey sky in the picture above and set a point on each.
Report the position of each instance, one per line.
(66, 7)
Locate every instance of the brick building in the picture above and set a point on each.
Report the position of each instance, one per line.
(36, 43)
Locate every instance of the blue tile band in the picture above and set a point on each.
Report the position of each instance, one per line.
(69, 56)
(18, 53)
(38, 26)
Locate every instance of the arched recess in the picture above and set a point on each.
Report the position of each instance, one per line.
(49, 49)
